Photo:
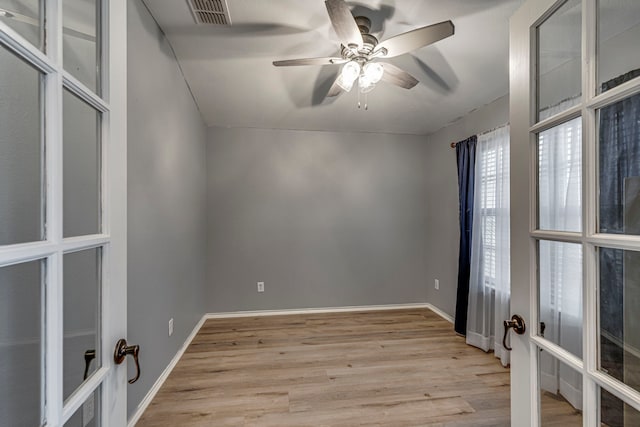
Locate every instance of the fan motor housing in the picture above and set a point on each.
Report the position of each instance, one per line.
(363, 23)
(369, 41)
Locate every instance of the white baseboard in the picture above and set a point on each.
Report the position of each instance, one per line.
(571, 393)
(225, 315)
(165, 374)
(549, 382)
(439, 312)
(260, 313)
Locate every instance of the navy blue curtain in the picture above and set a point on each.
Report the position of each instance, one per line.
(466, 155)
(619, 153)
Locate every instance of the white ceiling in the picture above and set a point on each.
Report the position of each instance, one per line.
(230, 71)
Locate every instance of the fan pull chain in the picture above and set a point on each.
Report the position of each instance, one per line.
(366, 101)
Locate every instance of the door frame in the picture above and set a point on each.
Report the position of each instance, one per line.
(113, 133)
(115, 293)
(524, 233)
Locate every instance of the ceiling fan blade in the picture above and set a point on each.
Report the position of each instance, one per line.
(398, 76)
(324, 90)
(343, 23)
(309, 61)
(415, 39)
(335, 89)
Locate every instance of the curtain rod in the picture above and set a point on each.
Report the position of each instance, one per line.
(453, 144)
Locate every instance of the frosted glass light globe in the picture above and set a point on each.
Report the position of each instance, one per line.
(348, 75)
(373, 71)
(365, 85)
(350, 71)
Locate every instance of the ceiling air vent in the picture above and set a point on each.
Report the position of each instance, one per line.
(211, 12)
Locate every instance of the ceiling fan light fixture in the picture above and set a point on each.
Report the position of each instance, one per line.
(373, 71)
(365, 85)
(350, 71)
(348, 75)
(371, 74)
(359, 50)
(344, 84)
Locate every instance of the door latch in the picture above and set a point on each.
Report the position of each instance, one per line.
(518, 325)
(122, 351)
(89, 355)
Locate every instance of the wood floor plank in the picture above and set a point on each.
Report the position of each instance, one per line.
(383, 368)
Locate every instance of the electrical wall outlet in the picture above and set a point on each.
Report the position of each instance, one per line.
(260, 286)
(171, 326)
(437, 284)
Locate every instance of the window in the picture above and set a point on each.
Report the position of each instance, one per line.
(489, 283)
(488, 162)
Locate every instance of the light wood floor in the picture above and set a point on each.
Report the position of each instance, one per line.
(384, 368)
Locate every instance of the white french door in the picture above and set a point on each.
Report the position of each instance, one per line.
(575, 211)
(62, 212)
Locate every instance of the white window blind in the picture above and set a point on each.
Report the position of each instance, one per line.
(488, 171)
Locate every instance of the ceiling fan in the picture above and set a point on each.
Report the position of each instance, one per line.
(360, 52)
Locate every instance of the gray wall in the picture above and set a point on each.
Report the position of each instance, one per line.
(167, 202)
(443, 232)
(325, 219)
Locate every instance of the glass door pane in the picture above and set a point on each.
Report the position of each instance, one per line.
(560, 177)
(25, 17)
(82, 338)
(81, 41)
(619, 167)
(560, 394)
(619, 315)
(618, 47)
(615, 413)
(559, 65)
(560, 295)
(21, 344)
(82, 171)
(21, 152)
(90, 413)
